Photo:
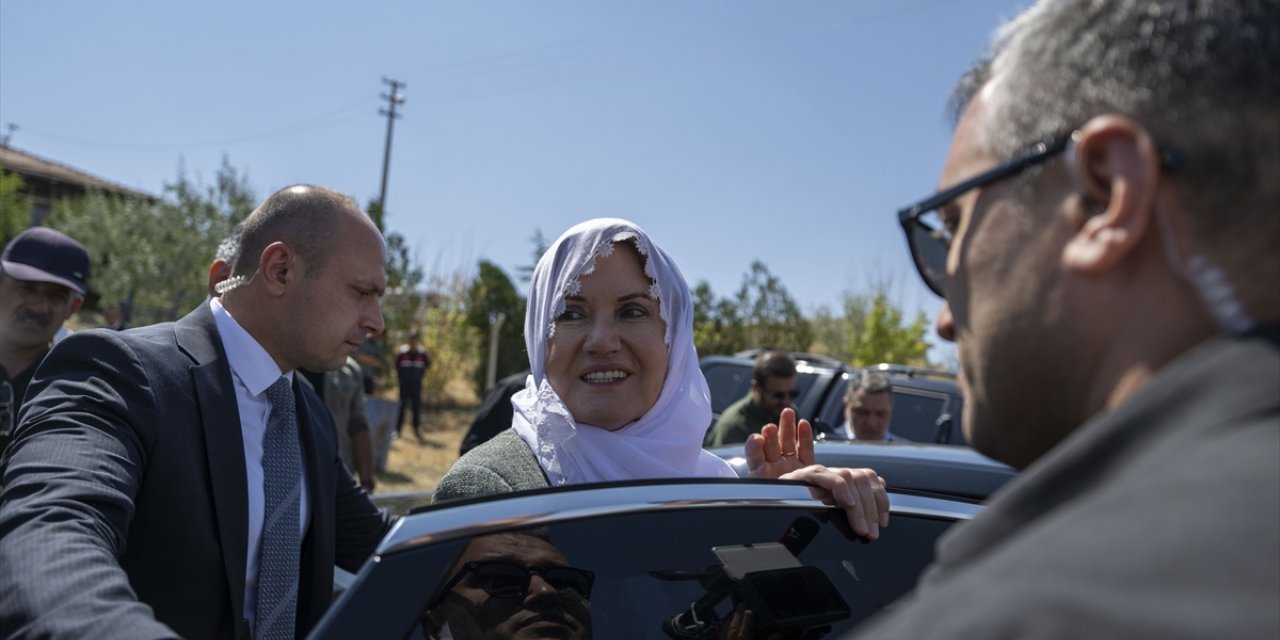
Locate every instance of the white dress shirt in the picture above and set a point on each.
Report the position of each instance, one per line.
(252, 371)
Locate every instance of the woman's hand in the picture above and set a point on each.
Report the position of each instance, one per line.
(860, 492)
(780, 448)
(785, 451)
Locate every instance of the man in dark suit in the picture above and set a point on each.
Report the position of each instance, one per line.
(140, 482)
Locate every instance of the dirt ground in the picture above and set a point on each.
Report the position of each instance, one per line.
(414, 466)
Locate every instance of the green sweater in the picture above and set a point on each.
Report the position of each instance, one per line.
(738, 421)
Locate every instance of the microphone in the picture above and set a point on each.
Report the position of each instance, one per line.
(798, 536)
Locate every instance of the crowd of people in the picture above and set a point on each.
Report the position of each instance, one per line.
(1105, 241)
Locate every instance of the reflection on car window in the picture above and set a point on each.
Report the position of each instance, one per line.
(795, 568)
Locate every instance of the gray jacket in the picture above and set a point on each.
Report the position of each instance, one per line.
(501, 465)
(1158, 519)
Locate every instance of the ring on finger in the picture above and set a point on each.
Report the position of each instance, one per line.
(788, 454)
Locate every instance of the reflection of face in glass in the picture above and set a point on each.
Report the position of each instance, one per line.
(512, 586)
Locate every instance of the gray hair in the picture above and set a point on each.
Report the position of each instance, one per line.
(869, 382)
(1202, 76)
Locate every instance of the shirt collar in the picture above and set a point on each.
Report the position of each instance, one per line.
(249, 361)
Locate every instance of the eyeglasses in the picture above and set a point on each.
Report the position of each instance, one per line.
(929, 238)
(502, 579)
(779, 396)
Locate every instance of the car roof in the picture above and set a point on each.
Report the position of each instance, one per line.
(929, 469)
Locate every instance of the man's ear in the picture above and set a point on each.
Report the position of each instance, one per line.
(219, 270)
(279, 267)
(76, 301)
(1116, 167)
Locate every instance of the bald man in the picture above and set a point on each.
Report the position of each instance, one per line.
(152, 468)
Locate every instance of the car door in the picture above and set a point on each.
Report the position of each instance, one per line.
(667, 559)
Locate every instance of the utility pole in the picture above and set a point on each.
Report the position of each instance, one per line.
(4, 140)
(394, 98)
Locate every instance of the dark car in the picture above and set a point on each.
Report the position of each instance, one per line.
(927, 404)
(664, 558)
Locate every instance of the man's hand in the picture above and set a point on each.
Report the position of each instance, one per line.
(785, 452)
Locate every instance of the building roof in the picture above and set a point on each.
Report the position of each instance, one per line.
(33, 166)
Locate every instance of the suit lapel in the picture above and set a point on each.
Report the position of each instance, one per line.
(320, 483)
(224, 444)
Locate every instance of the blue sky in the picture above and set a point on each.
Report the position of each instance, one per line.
(788, 132)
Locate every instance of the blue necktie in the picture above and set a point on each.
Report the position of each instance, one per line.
(282, 487)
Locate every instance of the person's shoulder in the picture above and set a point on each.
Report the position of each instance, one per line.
(738, 409)
(502, 465)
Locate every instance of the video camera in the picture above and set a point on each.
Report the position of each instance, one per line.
(786, 597)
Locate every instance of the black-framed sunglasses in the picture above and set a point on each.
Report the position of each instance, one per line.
(508, 580)
(780, 396)
(929, 238)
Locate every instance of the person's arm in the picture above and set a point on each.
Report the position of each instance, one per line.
(71, 476)
(362, 451)
(361, 441)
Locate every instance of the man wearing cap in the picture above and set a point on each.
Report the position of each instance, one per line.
(42, 282)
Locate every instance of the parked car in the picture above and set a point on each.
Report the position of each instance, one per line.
(927, 404)
(666, 558)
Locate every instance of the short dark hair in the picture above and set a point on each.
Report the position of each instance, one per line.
(301, 215)
(773, 364)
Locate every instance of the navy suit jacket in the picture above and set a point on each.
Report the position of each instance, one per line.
(124, 512)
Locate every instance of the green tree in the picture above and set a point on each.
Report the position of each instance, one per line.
(540, 247)
(886, 338)
(15, 208)
(452, 342)
(771, 316)
(492, 292)
(154, 256)
(717, 325)
(405, 300)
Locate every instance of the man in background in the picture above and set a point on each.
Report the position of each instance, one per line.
(342, 391)
(43, 275)
(773, 388)
(868, 408)
(412, 363)
(1105, 238)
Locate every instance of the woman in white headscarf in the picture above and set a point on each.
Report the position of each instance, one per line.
(615, 391)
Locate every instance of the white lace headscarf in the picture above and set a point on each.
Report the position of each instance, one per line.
(666, 442)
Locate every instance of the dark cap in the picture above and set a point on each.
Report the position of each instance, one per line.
(43, 255)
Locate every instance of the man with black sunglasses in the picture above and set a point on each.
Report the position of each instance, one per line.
(510, 586)
(1107, 241)
(773, 388)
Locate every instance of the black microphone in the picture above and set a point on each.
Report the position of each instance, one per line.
(798, 536)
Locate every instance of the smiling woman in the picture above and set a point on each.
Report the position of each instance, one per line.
(615, 391)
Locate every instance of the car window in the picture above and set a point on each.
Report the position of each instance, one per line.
(651, 573)
(916, 412)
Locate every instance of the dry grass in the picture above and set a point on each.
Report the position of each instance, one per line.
(414, 466)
